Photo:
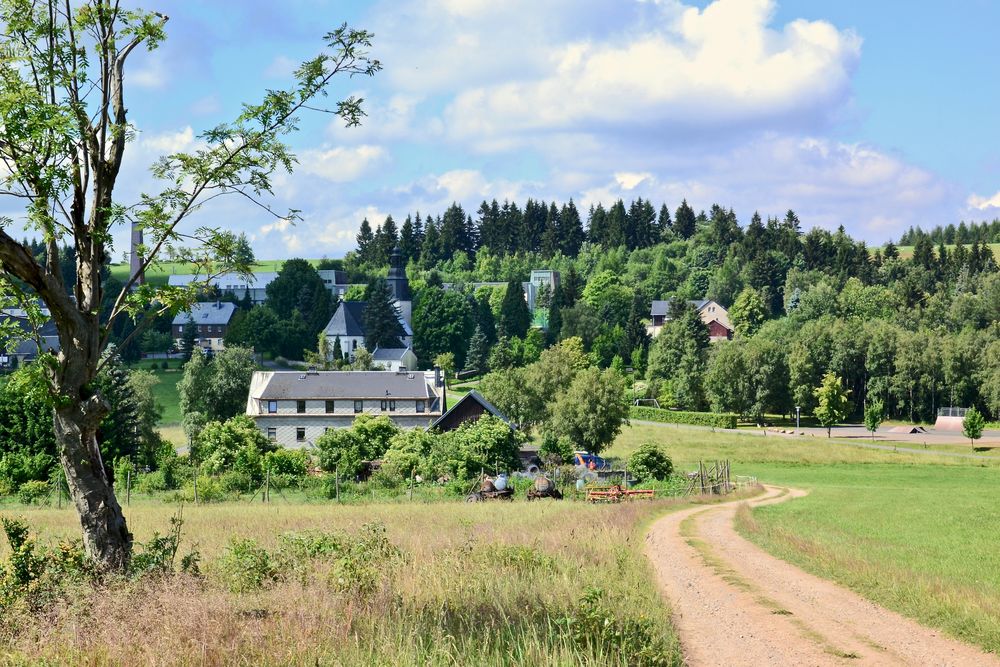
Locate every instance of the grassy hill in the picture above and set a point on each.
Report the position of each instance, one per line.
(159, 274)
(906, 251)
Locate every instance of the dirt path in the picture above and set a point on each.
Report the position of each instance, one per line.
(735, 604)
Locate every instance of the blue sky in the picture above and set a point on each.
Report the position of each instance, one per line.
(871, 115)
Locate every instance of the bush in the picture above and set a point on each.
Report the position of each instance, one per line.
(649, 462)
(288, 466)
(246, 566)
(366, 561)
(347, 448)
(33, 491)
(713, 419)
(16, 468)
(555, 450)
(595, 627)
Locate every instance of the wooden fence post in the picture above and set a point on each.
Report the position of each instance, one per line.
(267, 485)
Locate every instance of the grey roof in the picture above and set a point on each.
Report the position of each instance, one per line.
(663, 307)
(207, 313)
(349, 320)
(478, 398)
(27, 346)
(389, 353)
(259, 280)
(278, 385)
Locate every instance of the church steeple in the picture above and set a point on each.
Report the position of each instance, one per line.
(398, 282)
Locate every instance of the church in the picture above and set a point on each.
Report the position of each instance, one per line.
(348, 322)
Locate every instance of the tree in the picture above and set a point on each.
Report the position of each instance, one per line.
(514, 317)
(874, 414)
(973, 424)
(63, 140)
(446, 362)
(477, 358)
(298, 286)
(258, 329)
(235, 444)
(747, 313)
(217, 387)
(592, 410)
(189, 338)
(832, 404)
(442, 322)
(382, 327)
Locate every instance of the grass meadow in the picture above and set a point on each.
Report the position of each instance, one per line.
(477, 584)
(916, 533)
(160, 273)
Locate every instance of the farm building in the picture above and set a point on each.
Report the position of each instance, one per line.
(470, 407)
(295, 408)
(256, 288)
(22, 351)
(395, 358)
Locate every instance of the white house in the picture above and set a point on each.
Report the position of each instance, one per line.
(395, 358)
(295, 408)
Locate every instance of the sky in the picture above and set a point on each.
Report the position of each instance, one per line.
(874, 116)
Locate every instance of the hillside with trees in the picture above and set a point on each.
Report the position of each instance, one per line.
(915, 333)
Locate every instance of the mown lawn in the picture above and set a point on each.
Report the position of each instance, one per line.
(919, 534)
(921, 539)
(166, 396)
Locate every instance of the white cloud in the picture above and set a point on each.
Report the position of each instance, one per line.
(984, 203)
(630, 179)
(282, 225)
(150, 72)
(168, 142)
(281, 67)
(341, 164)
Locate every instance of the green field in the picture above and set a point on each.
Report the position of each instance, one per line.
(906, 251)
(916, 533)
(158, 274)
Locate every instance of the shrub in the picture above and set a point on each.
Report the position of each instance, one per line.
(556, 450)
(365, 562)
(347, 448)
(713, 419)
(157, 556)
(37, 577)
(151, 482)
(649, 462)
(236, 444)
(486, 444)
(33, 491)
(246, 566)
(288, 466)
(16, 468)
(634, 641)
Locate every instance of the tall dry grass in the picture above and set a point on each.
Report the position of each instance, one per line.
(477, 584)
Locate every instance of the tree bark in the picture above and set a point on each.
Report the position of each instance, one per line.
(106, 537)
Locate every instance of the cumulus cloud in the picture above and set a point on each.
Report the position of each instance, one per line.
(984, 203)
(341, 164)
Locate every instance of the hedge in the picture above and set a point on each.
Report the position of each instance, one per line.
(714, 419)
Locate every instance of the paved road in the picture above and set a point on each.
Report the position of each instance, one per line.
(841, 441)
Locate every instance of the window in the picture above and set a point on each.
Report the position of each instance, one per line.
(272, 433)
(300, 407)
(392, 406)
(330, 407)
(300, 434)
(385, 404)
(358, 406)
(421, 406)
(272, 407)
(180, 328)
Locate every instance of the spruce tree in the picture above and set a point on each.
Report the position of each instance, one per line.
(381, 317)
(477, 358)
(338, 350)
(555, 314)
(636, 336)
(514, 316)
(189, 338)
(684, 221)
(365, 240)
(571, 230)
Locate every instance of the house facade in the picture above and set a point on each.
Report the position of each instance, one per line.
(470, 408)
(715, 317)
(211, 322)
(294, 409)
(395, 359)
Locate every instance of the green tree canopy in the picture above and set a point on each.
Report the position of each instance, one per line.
(832, 404)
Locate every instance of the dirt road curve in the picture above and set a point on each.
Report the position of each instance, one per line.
(736, 605)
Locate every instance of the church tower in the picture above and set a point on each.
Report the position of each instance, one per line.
(399, 284)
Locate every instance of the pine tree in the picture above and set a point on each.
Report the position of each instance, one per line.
(572, 287)
(664, 225)
(636, 336)
(551, 234)
(616, 224)
(477, 358)
(684, 221)
(381, 318)
(555, 314)
(338, 350)
(514, 316)
(571, 230)
(597, 231)
(408, 245)
(365, 240)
